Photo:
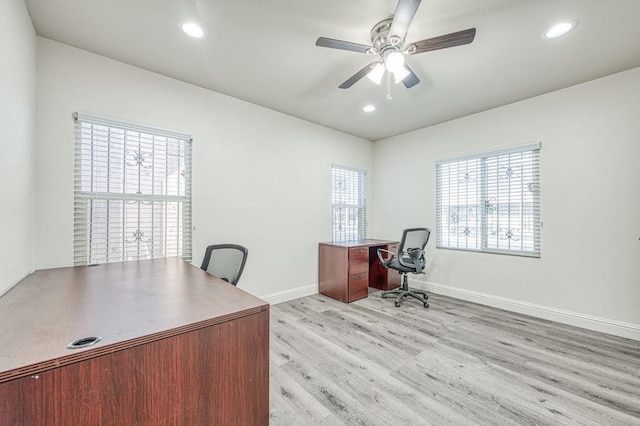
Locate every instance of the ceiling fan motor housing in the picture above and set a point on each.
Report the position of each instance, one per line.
(381, 40)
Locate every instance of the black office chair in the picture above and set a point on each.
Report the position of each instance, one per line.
(225, 261)
(410, 259)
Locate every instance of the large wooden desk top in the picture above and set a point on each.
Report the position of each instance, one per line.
(361, 243)
(126, 304)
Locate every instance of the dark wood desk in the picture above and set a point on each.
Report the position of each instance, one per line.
(347, 270)
(179, 346)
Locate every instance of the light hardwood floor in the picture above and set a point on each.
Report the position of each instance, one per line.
(455, 363)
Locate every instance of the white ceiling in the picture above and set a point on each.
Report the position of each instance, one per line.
(263, 51)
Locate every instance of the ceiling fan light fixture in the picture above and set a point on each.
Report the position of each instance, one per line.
(388, 41)
(400, 74)
(376, 73)
(559, 29)
(394, 61)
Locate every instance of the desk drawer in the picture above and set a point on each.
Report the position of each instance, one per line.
(358, 286)
(358, 260)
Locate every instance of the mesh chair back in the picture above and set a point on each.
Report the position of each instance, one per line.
(414, 238)
(225, 261)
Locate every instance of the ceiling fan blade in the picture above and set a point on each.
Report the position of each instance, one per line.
(410, 80)
(442, 42)
(405, 11)
(342, 45)
(357, 76)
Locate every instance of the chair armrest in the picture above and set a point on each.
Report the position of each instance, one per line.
(388, 260)
(415, 254)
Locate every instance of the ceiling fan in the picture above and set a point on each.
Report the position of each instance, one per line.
(387, 38)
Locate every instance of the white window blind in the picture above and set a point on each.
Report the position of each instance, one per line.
(490, 202)
(132, 192)
(349, 203)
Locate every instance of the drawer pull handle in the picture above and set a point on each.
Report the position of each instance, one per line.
(84, 342)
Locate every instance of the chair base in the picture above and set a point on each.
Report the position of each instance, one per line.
(405, 291)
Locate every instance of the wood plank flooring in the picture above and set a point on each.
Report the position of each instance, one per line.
(455, 363)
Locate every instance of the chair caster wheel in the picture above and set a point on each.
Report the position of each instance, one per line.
(384, 296)
(397, 304)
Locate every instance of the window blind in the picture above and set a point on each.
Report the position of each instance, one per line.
(490, 202)
(349, 203)
(132, 192)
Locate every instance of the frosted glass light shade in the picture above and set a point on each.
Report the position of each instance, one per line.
(400, 74)
(376, 73)
(394, 62)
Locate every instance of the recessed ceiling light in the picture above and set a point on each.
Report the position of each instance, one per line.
(192, 30)
(560, 29)
(369, 108)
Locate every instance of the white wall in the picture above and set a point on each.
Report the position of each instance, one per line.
(260, 178)
(17, 140)
(589, 270)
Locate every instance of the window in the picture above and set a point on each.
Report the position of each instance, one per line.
(132, 195)
(349, 203)
(490, 202)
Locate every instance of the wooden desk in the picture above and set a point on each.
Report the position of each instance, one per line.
(179, 346)
(347, 270)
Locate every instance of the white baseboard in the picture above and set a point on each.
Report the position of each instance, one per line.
(286, 295)
(589, 322)
(616, 328)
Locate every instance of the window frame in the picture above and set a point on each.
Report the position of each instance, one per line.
(162, 197)
(354, 201)
(491, 173)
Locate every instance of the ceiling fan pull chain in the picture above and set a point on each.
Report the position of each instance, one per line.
(389, 98)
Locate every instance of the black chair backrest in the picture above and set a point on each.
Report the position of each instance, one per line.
(225, 261)
(413, 239)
